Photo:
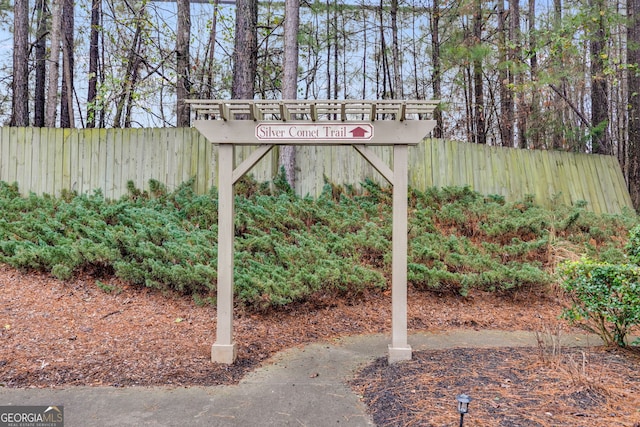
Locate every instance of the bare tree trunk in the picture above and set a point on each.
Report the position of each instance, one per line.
(387, 90)
(51, 107)
(102, 117)
(290, 66)
(92, 90)
(505, 83)
(437, 67)
(365, 52)
(312, 62)
(621, 123)
(208, 91)
(346, 60)
(66, 94)
(633, 82)
(418, 88)
(470, 122)
(481, 136)
(263, 77)
(533, 64)
(40, 49)
(20, 84)
(516, 59)
(183, 85)
(335, 50)
(395, 51)
(287, 155)
(137, 61)
(245, 50)
(558, 139)
(600, 143)
(123, 107)
(328, 36)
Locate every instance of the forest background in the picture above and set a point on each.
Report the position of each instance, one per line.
(560, 75)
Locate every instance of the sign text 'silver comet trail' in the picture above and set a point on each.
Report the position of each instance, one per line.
(314, 131)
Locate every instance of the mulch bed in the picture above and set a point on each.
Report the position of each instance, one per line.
(60, 334)
(508, 386)
(55, 333)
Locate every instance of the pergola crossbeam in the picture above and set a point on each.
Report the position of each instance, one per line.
(250, 161)
(376, 162)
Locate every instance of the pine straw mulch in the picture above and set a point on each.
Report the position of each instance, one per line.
(59, 334)
(508, 386)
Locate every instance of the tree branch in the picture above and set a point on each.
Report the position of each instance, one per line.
(581, 116)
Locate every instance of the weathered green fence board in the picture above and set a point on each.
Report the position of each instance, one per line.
(4, 154)
(138, 153)
(18, 154)
(607, 180)
(48, 159)
(77, 149)
(83, 160)
(84, 145)
(130, 157)
(460, 171)
(478, 168)
(563, 176)
(576, 176)
(439, 165)
(420, 168)
(592, 180)
(619, 183)
(516, 175)
(110, 162)
(541, 187)
(57, 139)
(183, 167)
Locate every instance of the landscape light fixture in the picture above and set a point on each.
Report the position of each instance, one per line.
(463, 406)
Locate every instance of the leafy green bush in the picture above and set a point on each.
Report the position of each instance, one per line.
(633, 245)
(606, 298)
(606, 294)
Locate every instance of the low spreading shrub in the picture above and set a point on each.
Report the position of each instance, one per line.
(290, 248)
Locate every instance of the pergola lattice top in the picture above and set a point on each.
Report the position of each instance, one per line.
(313, 110)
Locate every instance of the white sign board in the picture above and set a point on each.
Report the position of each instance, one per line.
(325, 131)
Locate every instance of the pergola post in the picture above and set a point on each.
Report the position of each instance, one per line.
(399, 349)
(224, 349)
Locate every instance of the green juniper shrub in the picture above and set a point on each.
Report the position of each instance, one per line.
(291, 249)
(474, 242)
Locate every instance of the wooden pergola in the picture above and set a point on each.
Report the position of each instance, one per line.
(312, 122)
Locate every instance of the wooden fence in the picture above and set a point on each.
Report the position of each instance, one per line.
(46, 161)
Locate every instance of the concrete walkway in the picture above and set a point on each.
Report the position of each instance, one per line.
(300, 387)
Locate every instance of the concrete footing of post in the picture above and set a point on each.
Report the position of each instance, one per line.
(398, 354)
(224, 353)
